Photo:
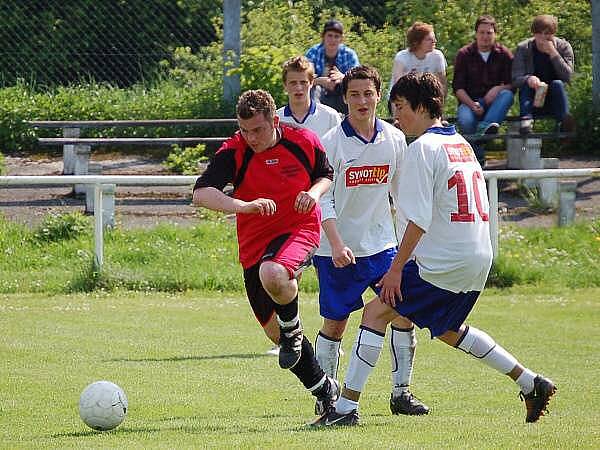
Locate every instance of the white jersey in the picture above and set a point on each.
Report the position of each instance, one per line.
(364, 176)
(319, 119)
(443, 192)
(405, 62)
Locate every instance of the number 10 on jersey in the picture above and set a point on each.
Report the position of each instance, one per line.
(464, 213)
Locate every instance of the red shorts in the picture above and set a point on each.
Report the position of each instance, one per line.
(294, 252)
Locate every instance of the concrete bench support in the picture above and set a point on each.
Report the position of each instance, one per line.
(548, 187)
(514, 147)
(82, 162)
(531, 158)
(566, 208)
(69, 151)
(108, 203)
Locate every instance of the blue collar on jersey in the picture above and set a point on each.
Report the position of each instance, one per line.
(349, 131)
(448, 131)
(287, 111)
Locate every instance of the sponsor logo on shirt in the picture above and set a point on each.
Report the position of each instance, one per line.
(459, 152)
(364, 175)
(272, 162)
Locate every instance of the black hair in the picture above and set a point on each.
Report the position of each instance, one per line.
(423, 91)
(362, 73)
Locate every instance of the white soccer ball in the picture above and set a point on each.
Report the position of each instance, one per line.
(103, 405)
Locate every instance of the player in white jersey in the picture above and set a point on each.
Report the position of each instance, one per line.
(301, 111)
(358, 239)
(444, 256)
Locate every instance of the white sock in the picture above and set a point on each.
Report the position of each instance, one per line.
(402, 351)
(327, 352)
(320, 383)
(365, 353)
(525, 380)
(344, 405)
(480, 345)
(289, 324)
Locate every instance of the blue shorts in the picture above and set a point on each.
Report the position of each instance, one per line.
(341, 289)
(431, 307)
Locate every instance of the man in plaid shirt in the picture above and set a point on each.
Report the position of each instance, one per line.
(483, 83)
(331, 59)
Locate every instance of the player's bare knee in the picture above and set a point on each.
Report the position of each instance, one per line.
(274, 278)
(402, 322)
(377, 315)
(334, 329)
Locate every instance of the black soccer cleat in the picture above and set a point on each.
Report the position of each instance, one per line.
(537, 400)
(408, 404)
(334, 419)
(290, 346)
(327, 396)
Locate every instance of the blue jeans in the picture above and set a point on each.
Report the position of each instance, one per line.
(469, 122)
(556, 104)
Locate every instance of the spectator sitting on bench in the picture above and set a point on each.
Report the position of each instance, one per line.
(544, 58)
(421, 55)
(331, 59)
(482, 83)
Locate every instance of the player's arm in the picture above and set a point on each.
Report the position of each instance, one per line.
(212, 198)
(306, 200)
(321, 178)
(208, 191)
(340, 253)
(391, 281)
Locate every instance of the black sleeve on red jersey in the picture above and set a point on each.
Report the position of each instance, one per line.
(322, 167)
(219, 172)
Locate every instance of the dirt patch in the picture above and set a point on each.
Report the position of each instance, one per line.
(146, 206)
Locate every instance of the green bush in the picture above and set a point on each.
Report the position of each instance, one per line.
(2, 167)
(58, 227)
(185, 160)
(190, 85)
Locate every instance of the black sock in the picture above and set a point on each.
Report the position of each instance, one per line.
(307, 369)
(288, 312)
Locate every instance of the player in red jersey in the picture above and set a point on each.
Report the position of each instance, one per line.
(278, 174)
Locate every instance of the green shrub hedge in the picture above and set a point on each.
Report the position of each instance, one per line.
(272, 31)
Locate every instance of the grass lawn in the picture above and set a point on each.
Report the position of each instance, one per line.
(194, 368)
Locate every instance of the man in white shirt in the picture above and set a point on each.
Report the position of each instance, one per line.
(444, 256)
(298, 79)
(358, 241)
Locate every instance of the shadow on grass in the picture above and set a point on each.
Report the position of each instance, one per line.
(194, 358)
(124, 430)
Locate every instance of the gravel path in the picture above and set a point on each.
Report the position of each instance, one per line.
(148, 206)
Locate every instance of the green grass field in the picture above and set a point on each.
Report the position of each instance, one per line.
(195, 371)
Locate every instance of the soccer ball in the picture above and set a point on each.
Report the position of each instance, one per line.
(102, 405)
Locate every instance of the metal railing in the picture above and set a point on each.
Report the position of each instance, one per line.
(492, 176)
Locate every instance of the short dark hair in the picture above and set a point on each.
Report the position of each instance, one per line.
(333, 25)
(362, 73)
(416, 33)
(254, 102)
(423, 91)
(486, 18)
(544, 22)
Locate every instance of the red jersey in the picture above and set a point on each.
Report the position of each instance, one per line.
(279, 173)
